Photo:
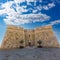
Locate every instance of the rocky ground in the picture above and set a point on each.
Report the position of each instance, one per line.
(31, 54)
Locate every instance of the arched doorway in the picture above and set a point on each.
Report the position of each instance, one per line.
(29, 44)
(21, 44)
(39, 44)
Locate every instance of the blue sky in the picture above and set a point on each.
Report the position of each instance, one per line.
(30, 14)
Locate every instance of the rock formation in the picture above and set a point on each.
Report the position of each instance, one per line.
(17, 37)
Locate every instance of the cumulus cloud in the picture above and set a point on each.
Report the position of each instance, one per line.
(14, 12)
(26, 18)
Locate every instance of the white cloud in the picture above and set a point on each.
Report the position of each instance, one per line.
(18, 1)
(49, 6)
(21, 9)
(40, 7)
(30, 0)
(7, 4)
(7, 8)
(26, 18)
(54, 22)
(34, 11)
(17, 18)
(2, 12)
(45, 7)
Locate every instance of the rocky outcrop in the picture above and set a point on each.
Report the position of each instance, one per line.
(17, 37)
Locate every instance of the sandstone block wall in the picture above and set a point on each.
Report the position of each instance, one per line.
(46, 36)
(30, 37)
(13, 37)
(17, 36)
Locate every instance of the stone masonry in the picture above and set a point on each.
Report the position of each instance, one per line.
(16, 37)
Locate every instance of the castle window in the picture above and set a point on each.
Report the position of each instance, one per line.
(16, 38)
(29, 44)
(50, 42)
(29, 35)
(21, 42)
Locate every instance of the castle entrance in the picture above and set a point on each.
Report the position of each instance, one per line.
(29, 38)
(29, 44)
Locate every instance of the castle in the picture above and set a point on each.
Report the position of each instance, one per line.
(17, 37)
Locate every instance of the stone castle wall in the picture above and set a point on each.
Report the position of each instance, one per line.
(30, 37)
(16, 37)
(13, 36)
(46, 35)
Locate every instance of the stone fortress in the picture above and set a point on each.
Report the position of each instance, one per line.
(17, 37)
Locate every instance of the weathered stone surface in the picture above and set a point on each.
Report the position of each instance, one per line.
(13, 37)
(16, 37)
(46, 35)
(31, 54)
